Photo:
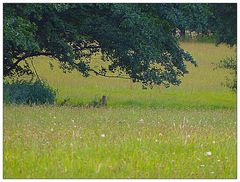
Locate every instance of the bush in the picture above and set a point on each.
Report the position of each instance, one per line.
(28, 92)
(230, 64)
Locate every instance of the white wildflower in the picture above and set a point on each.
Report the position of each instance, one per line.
(51, 129)
(141, 120)
(73, 120)
(208, 153)
(202, 165)
(213, 142)
(103, 135)
(218, 160)
(54, 117)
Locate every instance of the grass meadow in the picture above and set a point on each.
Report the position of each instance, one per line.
(187, 131)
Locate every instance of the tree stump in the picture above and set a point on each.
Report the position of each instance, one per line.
(104, 100)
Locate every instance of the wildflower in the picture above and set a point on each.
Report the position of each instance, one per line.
(212, 172)
(103, 135)
(156, 140)
(213, 142)
(141, 120)
(51, 129)
(188, 136)
(160, 134)
(139, 139)
(208, 153)
(73, 120)
(202, 165)
(54, 117)
(75, 126)
(218, 160)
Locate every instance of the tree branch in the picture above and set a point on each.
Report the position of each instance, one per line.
(109, 76)
(25, 56)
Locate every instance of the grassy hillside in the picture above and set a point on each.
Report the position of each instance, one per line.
(201, 88)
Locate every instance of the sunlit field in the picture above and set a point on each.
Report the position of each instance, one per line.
(64, 142)
(187, 131)
(201, 88)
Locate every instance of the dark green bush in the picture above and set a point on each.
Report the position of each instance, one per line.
(28, 92)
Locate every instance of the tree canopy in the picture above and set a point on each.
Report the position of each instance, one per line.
(136, 40)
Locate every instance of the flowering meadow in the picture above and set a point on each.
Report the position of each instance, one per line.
(178, 132)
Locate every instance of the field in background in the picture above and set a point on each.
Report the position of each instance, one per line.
(180, 132)
(201, 88)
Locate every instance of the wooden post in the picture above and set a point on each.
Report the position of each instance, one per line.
(104, 100)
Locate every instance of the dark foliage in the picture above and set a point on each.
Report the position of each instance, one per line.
(137, 40)
(28, 92)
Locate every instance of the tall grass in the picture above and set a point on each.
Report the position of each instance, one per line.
(180, 132)
(65, 142)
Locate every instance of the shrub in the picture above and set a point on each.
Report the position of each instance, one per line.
(28, 92)
(230, 64)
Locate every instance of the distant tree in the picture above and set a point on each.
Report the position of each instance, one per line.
(185, 16)
(223, 22)
(135, 39)
(224, 25)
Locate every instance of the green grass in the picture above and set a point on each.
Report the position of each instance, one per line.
(201, 88)
(65, 142)
(158, 133)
